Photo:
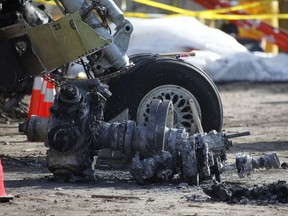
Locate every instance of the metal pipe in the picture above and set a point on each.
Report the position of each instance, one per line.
(35, 128)
(245, 164)
(235, 135)
(112, 56)
(114, 13)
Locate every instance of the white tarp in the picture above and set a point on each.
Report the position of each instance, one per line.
(217, 53)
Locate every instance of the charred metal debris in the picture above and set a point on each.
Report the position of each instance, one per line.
(157, 151)
(76, 131)
(235, 193)
(245, 164)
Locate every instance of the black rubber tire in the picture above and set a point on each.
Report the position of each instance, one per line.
(151, 71)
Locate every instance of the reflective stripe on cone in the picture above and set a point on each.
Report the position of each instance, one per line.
(48, 100)
(41, 98)
(35, 96)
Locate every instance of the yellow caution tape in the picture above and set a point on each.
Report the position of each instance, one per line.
(151, 15)
(47, 2)
(213, 14)
(140, 15)
(176, 10)
(207, 14)
(197, 13)
(212, 17)
(168, 7)
(243, 17)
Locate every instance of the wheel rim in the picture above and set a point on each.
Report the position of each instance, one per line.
(180, 99)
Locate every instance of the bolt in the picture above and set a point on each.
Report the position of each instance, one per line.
(70, 94)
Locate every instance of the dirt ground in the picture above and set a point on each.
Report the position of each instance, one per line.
(261, 109)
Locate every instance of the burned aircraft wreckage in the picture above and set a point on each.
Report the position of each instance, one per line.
(158, 147)
(158, 150)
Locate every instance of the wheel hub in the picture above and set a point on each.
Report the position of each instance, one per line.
(180, 99)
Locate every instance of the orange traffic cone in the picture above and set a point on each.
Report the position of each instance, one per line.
(3, 196)
(41, 98)
(48, 100)
(35, 96)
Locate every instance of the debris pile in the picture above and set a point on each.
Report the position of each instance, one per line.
(76, 131)
(233, 193)
(245, 164)
(284, 165)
